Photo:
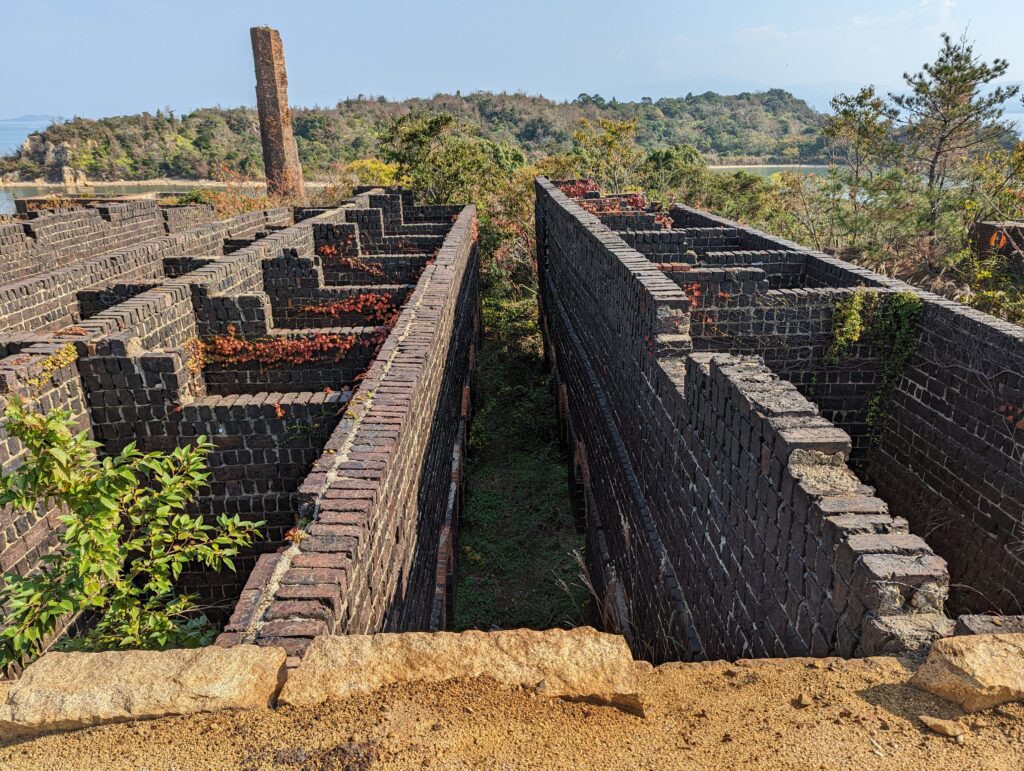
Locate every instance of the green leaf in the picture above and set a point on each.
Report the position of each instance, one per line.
(124, 541)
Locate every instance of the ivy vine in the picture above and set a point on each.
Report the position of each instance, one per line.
(847, 326)
(890, 321)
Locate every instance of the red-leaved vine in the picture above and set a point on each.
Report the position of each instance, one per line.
(577, 188)
(626, 203)
(693, 294)
(374, 306)
(335, 259)
(663, 219)
(285, 351)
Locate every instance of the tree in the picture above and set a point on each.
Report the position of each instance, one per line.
(609, 154)
(126, 539)
(948, 115)
(991, 187)
(444, 160)
(448, 162)
(678, 170)
(863, 146)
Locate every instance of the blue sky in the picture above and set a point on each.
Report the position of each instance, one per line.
(70, 57)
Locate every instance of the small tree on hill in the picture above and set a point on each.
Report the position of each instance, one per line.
(949, 115)
(609, 154)
(126, 539)
(865, 162)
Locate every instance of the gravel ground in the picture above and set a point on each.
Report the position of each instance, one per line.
(794, 713)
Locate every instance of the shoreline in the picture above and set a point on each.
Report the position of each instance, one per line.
(165, 181)
(141, 183)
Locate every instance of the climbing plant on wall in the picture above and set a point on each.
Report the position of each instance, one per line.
(894, 328)
(890, 322)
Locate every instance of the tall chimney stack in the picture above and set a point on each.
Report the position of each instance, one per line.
(280, 154)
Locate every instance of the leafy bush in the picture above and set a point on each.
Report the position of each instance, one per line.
(126, 539)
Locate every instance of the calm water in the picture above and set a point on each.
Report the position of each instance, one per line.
(767, 171)
(8, 194)
(13, 133)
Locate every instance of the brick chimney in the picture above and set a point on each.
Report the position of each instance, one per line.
(280, 154)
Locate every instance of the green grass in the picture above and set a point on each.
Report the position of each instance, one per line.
(516, 568)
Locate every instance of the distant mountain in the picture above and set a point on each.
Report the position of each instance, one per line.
(752, 127)
(33, 119)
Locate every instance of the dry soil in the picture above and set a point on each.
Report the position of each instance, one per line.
(795, 713)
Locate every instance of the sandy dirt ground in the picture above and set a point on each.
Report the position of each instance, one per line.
(795, 713)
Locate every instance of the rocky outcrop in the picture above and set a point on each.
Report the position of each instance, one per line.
(580, 664)
(975, 671)
(73, 177)
(63, 691)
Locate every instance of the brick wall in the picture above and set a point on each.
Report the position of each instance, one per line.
(45, 375)
(137, 378)
(47, 240)
(48, 300)
(722, 517)
(949, 456)
(380, 498)
(118, 388)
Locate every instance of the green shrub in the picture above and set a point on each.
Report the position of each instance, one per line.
(126, 539)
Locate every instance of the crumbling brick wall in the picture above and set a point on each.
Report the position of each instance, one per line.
(722, 519)
(949, 456)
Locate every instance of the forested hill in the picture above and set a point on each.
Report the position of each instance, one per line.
(769, 127)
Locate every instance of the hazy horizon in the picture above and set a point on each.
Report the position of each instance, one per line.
(199, 55)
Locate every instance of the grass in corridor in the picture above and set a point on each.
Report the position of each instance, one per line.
(516, 568)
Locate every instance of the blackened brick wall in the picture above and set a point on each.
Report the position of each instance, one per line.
(951, 450)
(48, 300)
(380, 496)
(722, 518)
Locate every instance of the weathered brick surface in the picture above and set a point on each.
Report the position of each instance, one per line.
(722, 519)
(45, 297)
(136, 378)
(280, 153)
(382, 497)
(949, 456)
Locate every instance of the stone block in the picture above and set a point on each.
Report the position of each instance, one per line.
(579, 664)
(63, 691)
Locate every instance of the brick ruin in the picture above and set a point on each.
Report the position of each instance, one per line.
(325, 352)
(1000, 239)
(743, 489)
(724, 432)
